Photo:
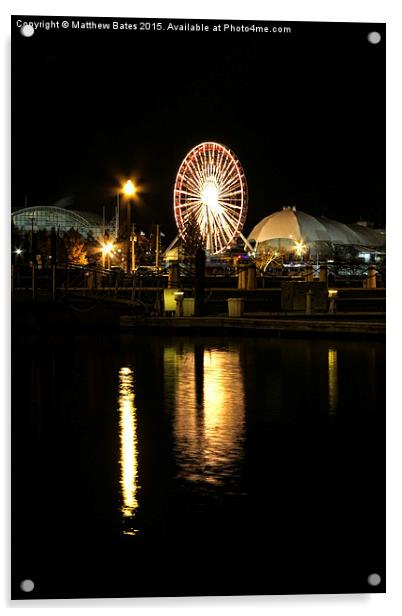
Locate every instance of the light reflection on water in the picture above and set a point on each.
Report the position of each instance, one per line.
(332, 380)
(128, 447)
(207, 394)
(204, 394)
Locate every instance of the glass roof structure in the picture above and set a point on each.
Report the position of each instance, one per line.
(47, 216)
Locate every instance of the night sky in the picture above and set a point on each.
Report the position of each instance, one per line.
(304, 112)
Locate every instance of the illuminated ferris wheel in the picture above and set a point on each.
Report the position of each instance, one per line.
(211, 193)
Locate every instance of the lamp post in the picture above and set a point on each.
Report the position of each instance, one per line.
(132, 242)
(106, 250)
(33, 251)
(129, 190)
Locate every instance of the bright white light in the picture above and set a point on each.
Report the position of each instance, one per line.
(300, 248)
(209, 195)
(18, 251)
(129, 188)
(128, 443)
(107, 248)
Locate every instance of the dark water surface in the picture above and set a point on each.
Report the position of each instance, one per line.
(147, 465)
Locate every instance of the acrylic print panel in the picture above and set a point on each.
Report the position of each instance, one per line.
(198, 292)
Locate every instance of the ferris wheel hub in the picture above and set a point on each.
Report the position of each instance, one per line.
(210, 194)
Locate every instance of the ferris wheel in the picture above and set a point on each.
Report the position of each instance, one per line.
(211, 193)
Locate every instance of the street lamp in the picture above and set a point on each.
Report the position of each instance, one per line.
(106, 250)
(129, 190)
(300, 248)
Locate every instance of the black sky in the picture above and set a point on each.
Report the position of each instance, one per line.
(304, 112)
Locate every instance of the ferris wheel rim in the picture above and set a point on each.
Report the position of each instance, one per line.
(211, 166)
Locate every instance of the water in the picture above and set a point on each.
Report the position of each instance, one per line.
(153, 465)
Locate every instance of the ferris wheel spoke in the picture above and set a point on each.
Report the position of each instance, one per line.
(220, 176)
(188, 203)
(225, 170)
(225, 164)
(194, 181)
(193, 166)
(230, 186)
(201, 180)
(196, 176)
(231, 221)
(237, 189)
(234, 219)
(190, 213)
(216, 232)
(216, 219)
(228, 223)
(224, 235)
(220, 223)
(217, 164)
(192, 194)
(230, 205)
(232, 211)
(218, 242)
(212, 160)
(231, 193)
(203, 223)
(230, 180)
(189, 208)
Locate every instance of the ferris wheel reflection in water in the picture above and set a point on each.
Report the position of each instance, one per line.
(204, 388)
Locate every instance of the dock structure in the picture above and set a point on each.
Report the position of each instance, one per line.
(270, 325)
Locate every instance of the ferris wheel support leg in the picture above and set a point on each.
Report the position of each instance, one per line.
(172, 244)
(246, 242)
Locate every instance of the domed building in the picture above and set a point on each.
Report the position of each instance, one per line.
(290, 230)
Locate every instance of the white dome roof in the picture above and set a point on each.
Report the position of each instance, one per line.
(291, 224)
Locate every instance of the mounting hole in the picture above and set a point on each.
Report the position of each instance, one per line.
(27, 585)
(374, 579)
(27, 30)
(374, 37)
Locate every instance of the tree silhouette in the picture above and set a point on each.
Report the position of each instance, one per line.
(76, 248)
(192, 239)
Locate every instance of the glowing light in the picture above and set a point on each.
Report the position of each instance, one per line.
(129, 188)
(107, 248)
(211, 192)
(224, 409)
(128, 445)
(18, 251)
(208, 395)
(210, 195)
(300, 248)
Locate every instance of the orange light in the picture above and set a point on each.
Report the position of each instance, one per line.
(129, 188)
(107, 248)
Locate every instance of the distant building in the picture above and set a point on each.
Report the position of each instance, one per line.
(288, 228)
(44, 217)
